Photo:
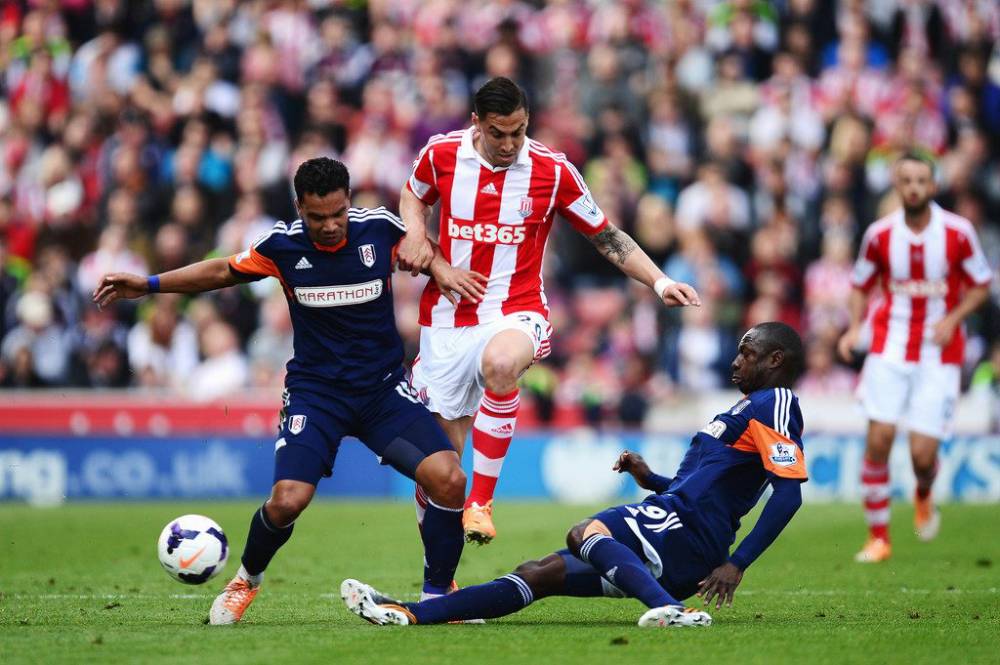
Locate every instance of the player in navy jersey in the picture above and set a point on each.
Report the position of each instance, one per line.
(346, 376)
(674, 543)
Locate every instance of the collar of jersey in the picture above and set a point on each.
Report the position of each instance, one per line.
(467, 150)
(935, 218)
(335, 248)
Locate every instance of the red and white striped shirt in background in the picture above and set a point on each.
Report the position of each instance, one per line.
(495, 221)
(922, 277)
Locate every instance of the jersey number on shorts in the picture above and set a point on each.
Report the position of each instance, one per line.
(670, 521)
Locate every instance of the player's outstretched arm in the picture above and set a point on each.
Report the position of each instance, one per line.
(722, 582)
(619, 248)
(633, 464)
(195, 278)
(415, 251)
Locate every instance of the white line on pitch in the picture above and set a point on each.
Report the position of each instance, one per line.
(332, 596)
(818, 592)
(855, 592)
(108, 596)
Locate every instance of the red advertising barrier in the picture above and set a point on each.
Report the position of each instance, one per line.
(127, 415)
(130, 414)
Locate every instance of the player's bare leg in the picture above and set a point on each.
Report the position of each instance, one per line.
(457, 432)
(270, 528)
(440, 475)
(875, 489)
(506, 356)
(442, 478)
(923, 453)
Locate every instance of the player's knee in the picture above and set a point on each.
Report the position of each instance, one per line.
(448, 487)
(500, 368)
(284, 507)
(526, 569)
(924, 463)
(284, 511)
(574, 539)
(880, 437)
(544, 577)
(879, 441)
(533, 573)
(453, 486)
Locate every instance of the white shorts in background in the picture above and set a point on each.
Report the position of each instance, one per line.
(447, 373)
(918, 396)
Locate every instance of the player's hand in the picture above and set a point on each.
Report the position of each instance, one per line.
(415, 254)
(680, 294)
(633, 463)
(845, 347)
(468, 284)
(720, 584)
(944, 330)
(117, 285)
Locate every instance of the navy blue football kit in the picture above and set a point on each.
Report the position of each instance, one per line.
(346, 377)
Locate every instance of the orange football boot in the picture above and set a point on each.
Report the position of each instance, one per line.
(874, 551)
(229, 606)
(477, 521)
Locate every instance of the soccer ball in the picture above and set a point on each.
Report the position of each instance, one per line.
(192, 549)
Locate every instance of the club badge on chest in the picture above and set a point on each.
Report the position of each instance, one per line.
(367, 253)
(524, 210)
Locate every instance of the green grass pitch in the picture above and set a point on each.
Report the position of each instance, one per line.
(82, 584)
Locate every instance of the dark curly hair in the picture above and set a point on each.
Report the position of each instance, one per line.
(500, 95)
(320, 176)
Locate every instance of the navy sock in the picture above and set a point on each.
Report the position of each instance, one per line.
(623, 568)
(502, 596)
(443, 541)
(263, 542)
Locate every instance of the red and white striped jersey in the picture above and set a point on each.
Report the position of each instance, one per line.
(922, 277)
(496, 220)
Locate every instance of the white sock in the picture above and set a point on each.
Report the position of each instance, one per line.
(254, 580)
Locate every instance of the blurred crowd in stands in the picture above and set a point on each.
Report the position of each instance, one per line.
(744, 144)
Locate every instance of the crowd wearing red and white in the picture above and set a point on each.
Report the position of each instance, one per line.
(745, 145)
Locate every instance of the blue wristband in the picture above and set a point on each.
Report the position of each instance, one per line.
(153, 284)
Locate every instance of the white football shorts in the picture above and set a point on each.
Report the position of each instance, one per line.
(919, 396)
(447, 373)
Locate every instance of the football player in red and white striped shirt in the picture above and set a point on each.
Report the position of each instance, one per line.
(499, 193)
(931, 274)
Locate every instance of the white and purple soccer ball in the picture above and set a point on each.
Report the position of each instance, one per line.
(192, 549)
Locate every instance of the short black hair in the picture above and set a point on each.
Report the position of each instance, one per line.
(500, 95)
(915, 156)
(774, 336)
(321, 176)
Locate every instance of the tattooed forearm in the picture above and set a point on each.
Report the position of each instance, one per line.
(614, 244)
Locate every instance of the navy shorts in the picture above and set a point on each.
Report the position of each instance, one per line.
(390, 421)
(654, 530)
